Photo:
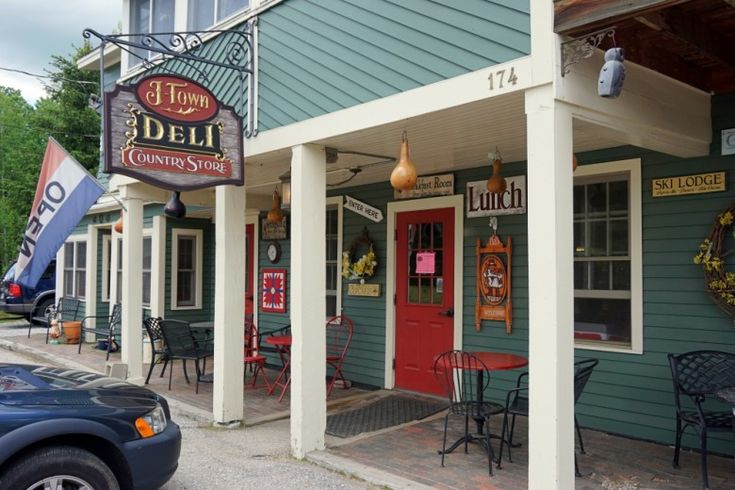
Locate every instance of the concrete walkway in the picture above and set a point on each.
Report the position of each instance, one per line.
(256, 456)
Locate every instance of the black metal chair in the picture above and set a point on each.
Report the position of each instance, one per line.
(697, 376)
(108, 332)
(182, 345)
(159, 352)
(516, 403)
(464, 378)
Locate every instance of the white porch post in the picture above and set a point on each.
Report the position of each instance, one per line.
(229, 303)
(308, 299)
(132, 292)
(551, 295)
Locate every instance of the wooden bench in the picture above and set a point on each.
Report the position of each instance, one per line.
(67, 309)
(108, 331)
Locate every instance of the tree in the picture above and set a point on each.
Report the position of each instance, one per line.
(21, 152)
(65, 113)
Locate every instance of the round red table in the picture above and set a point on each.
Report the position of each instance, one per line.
(496, 361)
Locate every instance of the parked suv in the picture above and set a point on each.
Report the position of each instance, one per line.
(21, 300)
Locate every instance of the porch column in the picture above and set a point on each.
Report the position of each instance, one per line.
(308, 299)
(132, 291)
(229, 304)
(551, 295)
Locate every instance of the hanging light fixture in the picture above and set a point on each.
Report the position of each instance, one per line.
(118, 226)
(174, 207)
(496, 183)
(275, 215)
(404, 175)
(285, 190)
(574, 162)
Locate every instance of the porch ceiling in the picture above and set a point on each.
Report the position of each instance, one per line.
(442, 141)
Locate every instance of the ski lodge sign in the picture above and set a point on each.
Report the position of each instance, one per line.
(171, 132)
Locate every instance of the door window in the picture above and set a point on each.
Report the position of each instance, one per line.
(425, 263)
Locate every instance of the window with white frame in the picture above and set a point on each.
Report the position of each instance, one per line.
(205, 13)
(607, 256)
(106, 266)
(148, 17)
(75, 268)
(332, 263)
(186, 269)
(147, 266)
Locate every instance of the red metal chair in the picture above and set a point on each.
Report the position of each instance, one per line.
(339, 336)
(252, 356)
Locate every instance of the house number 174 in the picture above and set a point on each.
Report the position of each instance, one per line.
(501, 77)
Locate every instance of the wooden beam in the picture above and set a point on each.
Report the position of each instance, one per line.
(573, 17)
(677, 27)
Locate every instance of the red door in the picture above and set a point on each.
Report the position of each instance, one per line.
(424, 295)
(249, 266)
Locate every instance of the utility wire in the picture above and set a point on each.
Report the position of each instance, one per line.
(36, 75)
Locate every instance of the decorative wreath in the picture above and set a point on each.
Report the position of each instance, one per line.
(363, 267)
(720, 283)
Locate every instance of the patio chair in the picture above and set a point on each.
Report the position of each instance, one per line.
(339, 335)
(697, 376)
(516, 403)
(67, 308)
(464, 378)
(109, 330)
(158, 350)
(182, 345)
(252, 357)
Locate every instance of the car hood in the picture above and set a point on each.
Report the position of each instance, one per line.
(28, 385)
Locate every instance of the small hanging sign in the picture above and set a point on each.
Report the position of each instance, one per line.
(430, 185)
(481, 202)
(363, 209)
(493, 283)
(425, 262)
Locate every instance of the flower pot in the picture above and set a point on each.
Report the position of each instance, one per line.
(72, 332)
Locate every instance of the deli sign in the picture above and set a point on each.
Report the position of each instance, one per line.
(171, 132)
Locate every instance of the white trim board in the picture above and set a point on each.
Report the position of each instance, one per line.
(455, 201)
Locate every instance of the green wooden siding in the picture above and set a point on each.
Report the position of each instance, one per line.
(321, 56)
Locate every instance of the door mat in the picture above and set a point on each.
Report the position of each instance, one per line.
(391, 410)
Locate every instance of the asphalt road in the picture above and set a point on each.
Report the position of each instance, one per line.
(244, 458)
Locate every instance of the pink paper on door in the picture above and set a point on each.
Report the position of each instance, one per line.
(425, 262)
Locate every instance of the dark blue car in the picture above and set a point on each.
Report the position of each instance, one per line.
(68, 429)
(23, 300)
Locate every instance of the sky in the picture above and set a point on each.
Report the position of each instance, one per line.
(31, 31)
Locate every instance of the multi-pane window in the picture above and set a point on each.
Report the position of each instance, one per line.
(602, 259)
(75, 263)
(332, 262)
(149, 17)
(186, 288)
(205, 13)
(147, 265)
(426, 287)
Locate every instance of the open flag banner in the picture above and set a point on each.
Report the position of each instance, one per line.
(64, 193)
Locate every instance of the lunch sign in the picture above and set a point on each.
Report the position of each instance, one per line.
(171, 132)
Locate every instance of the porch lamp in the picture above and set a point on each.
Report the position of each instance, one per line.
(285, 190)
(404, 175)
(496, 183)
(174, 207)
(275, 215)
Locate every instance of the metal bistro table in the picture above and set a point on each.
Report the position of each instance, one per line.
(283, 344)
(493, 361)
(727, 395)
(203, 331)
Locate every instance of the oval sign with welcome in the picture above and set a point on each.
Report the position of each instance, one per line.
(177, 98)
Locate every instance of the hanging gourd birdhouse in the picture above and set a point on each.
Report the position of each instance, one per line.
(275, 215)
(496, 183)
(404, 174)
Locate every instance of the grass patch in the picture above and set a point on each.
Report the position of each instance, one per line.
(6, 317)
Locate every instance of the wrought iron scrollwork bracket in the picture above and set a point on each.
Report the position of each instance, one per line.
(576, 50)
(188, 49)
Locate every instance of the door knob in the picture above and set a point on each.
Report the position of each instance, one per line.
(448, 312)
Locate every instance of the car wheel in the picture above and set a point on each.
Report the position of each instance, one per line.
(43, 309)
(56, 467)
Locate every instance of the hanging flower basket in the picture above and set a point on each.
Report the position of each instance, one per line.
(712, 254)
